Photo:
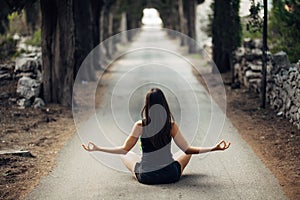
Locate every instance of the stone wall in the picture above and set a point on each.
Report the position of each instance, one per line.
(283, 78)
(27, 70)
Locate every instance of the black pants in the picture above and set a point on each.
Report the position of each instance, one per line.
(168, 174)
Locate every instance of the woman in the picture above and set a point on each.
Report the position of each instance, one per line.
(155, 132)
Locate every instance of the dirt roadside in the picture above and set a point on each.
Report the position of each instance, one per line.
(274, 140)
(42, 132)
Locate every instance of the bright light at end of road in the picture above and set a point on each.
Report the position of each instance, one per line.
(151, 18)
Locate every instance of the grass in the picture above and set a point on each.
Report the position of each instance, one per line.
(36, 39)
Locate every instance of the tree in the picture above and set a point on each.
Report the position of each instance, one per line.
(72, 28)
(182, 21)
(58, 50)
(264, 57)
(32, 13)
(226, 32)
(8, 7)
(190, 12)
(285, 28)
(67, 37)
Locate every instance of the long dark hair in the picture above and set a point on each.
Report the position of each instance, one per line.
(156, 96)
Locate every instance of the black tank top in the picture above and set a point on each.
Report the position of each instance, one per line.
(155, 157)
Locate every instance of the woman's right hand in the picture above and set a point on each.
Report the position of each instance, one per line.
(90, 147)
(221, 146)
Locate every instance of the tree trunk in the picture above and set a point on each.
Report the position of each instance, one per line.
(225, 33)
(32, 13)
(182, 21)
(107, 30)
(264, 60)
(220, 27)
(191, 26)
(67, 38)
(96, 7)
(58, 50)
(84, 38)
(123, 28)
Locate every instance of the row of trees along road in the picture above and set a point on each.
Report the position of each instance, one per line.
(72, 28)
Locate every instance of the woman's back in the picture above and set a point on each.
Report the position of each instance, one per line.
(156, 150)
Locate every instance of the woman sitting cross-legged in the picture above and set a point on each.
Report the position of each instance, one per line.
(155, 131)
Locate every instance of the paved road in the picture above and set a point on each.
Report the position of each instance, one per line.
(235, 174)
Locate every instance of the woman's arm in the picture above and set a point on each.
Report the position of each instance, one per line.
(127, 146)
(181, 142)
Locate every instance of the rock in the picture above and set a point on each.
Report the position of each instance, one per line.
(257, 43)
(255, 85)
(236, 67)
(298, 65)
(38, 103)
(280, 60)
(18, 153)
(7, 67)
(257, 53)
(288, 103)
(269, 68)
(252, 75)
(26, 74)
(24, 103)
(277, 105)
(279, 114)
(3, 71)
(12, 100)
(6, 76)
(293, 109)
(250, 56)
(39, 76)
(27, 62)
(28, 87)
(255, 68)
(28, 66)
(16, 36)
(247, 43)
(289, 89)
(4, 95)
(239, 53)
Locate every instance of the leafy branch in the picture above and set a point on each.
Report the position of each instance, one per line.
(255, 22)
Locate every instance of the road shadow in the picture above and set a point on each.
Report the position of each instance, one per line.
(189, 181)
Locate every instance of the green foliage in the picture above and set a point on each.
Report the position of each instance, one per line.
(255, 22)
(16, 23)
(13, 16)
(284, 28)
(246, 33)
(36, 39)
(8, 7)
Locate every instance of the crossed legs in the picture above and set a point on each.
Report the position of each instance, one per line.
(183, 159)
(131, 158)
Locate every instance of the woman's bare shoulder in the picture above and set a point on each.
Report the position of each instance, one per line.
(174, 124)
(174, 129)
(138, 123)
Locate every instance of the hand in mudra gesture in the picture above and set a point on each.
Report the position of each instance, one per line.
(221, 146)
(90, 147)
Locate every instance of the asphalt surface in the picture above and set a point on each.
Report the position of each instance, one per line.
(234, 174)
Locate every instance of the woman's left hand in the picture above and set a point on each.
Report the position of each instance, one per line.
(90, 147)
(221, 146)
